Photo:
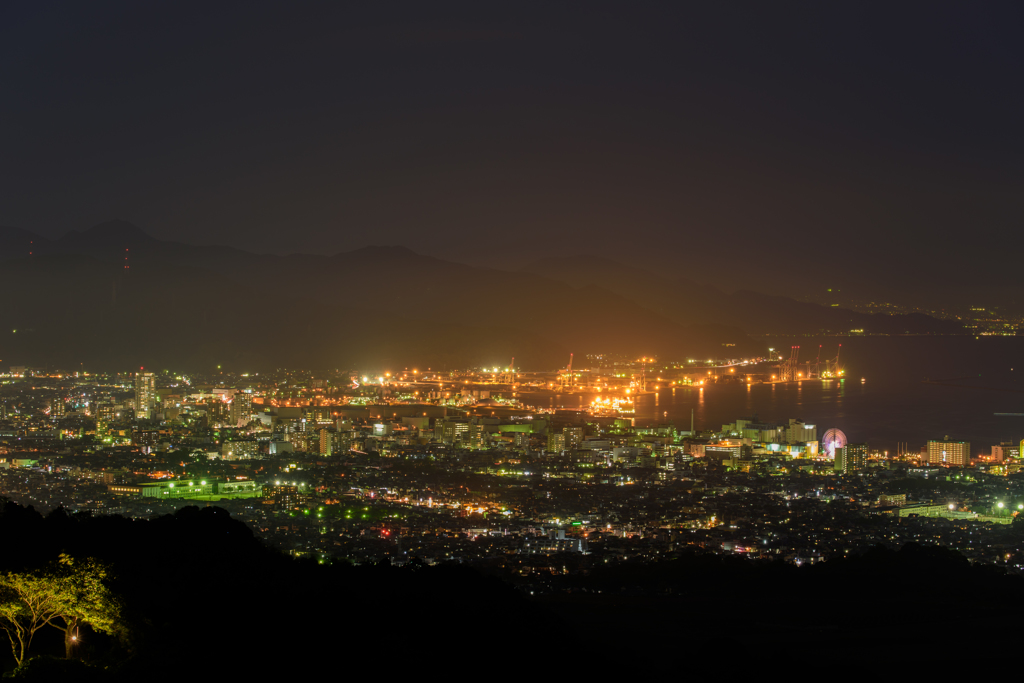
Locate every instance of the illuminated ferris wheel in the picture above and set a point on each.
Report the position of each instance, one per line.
(833, 440)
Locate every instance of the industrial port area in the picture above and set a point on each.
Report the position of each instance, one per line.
(612, 383)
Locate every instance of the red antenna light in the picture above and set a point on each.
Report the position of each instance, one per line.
(126, 259)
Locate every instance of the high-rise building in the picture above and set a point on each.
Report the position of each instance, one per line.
(145, 394)
(241, 409)
(299, 440)
(57, 407)
(573, 437)
(948, 452)
(215, 412)
(342, 441)
(851, 458)
(556, 443)
(325, 442)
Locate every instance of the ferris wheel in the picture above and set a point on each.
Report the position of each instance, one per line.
(833, 440)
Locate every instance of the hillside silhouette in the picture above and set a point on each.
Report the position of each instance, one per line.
(113, 297)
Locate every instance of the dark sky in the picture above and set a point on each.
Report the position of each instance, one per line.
(878, 135)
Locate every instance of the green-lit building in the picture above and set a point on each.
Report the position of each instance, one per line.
(190, 489)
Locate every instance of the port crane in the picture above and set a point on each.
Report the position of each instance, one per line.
(787, 369)
(567, 381)
(832, 369)
(510, 376)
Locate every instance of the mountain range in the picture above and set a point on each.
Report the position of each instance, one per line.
(113, 297)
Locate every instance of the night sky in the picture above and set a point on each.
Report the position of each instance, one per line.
(804, 135)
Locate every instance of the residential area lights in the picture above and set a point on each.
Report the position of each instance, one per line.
(476, 471)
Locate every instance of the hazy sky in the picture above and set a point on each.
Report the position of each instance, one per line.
(499, 132)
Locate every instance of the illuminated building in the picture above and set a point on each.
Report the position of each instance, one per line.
(215, 412)
(299, 441)
(477, 435)
(727, 452)
(233, 450)
(851, 458)
(342, 441)
(319, 415)
(241, 409)
(189, 488)
(556, 443)
(57, 407)
(146, 439)
(108, 412)
(325, 442)
(798, 432)
(573, 437)
(145, 394)
(450, 431)
(948, 452)
(285, 496)
(1005, 451)
(554, 543)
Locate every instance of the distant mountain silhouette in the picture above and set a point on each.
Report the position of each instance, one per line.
(114, 233)
(17, 243)
(185, 306)
(687, 302)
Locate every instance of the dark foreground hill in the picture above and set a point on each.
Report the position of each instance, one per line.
(203, 599)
